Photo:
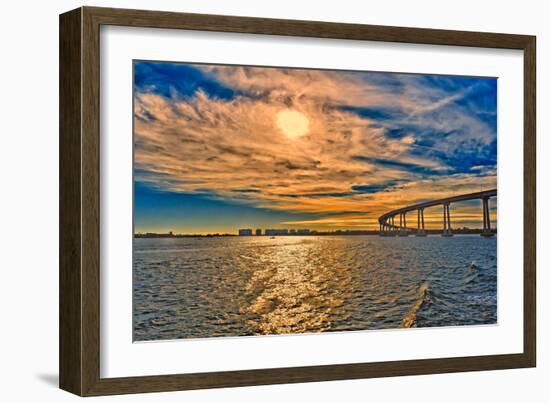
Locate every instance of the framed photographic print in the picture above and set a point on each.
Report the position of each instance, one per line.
(249, 201)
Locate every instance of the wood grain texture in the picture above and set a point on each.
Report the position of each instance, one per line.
(316, 29)
(90, 202)
(80, 201)
(530, 202)
(70, 273)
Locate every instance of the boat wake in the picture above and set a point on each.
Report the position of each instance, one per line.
(409, 320)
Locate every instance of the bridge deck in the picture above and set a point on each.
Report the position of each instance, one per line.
(431, 203)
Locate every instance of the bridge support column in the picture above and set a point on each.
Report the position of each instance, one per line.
(486, 219)
(403, 225)
(420, 223)
(447, 220)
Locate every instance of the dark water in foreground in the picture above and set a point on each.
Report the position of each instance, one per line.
(235, 286)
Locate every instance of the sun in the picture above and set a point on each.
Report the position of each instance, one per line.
(292, 123)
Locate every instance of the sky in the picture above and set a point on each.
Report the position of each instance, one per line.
(218, 148)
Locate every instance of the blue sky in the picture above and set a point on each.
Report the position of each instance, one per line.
(224, 147)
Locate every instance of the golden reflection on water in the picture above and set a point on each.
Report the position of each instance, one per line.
(297, 288)
(237, 286)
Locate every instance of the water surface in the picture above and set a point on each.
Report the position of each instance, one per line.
(236, 286)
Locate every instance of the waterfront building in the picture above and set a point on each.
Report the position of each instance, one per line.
(276, 232)
(245, 232)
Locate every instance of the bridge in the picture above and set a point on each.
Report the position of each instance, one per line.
(389, 227)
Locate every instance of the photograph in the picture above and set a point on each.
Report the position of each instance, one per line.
(248, 201)
(285, 200)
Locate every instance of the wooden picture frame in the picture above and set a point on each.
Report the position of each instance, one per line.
(79, 348)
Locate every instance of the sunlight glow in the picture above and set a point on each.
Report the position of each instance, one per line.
(292, 123)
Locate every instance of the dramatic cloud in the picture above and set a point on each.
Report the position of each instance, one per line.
(373, 141)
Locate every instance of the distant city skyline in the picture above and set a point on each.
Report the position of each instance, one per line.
(218, 148)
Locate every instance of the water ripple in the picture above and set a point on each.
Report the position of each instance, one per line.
(235, 286)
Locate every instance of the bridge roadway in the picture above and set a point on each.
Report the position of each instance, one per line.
(388, 227)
